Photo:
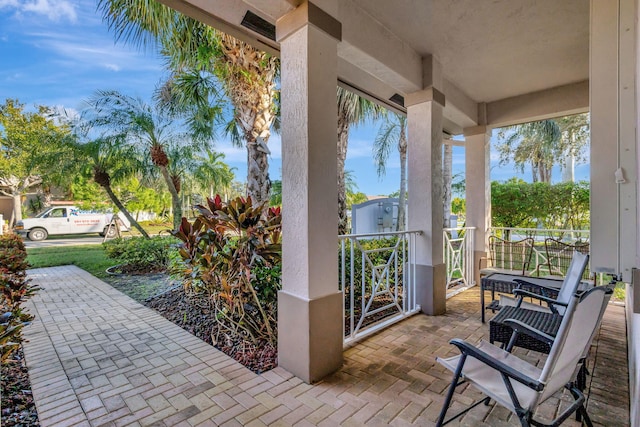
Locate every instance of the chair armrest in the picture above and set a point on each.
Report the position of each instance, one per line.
(471, 350)
(524, 293)
(522, 328)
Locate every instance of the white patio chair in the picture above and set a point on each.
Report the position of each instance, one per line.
(520, 386)
(569, 287)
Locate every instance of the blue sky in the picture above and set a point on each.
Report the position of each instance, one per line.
(58, 53)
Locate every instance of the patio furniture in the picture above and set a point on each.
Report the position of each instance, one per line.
(506, 283)
(520, 386)
(570, 284)
(559, 255)
(505, 256)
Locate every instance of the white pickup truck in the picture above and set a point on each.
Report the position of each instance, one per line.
(68, 220)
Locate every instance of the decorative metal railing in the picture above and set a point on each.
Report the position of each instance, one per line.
(377, 279)
(459, 256)
(539, 258)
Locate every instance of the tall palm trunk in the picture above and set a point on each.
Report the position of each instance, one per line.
(343, 140)
(176, 203)
(250, 84)
(402, 202)
(447, 160)
(124, 210)
(258, 182)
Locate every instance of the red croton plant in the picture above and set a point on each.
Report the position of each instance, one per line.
(233, 252)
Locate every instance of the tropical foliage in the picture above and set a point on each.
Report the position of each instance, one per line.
(200, 58)
(110, 160)
(516, 203)
(15, 289)
(167, 141)
(28, 144)
(393, 132)
(139, 254)
(352, 110)
(543, 144)
(229, 252)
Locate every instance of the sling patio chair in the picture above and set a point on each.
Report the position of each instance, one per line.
(520, 386)
(558, 304)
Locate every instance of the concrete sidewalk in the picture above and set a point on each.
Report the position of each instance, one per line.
(97, 357)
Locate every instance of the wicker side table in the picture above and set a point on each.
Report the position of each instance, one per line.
(549, 323)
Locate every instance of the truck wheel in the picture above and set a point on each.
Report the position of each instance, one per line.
(38, 234)
(110, 232)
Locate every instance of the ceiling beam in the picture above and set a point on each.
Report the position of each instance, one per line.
(546, 104)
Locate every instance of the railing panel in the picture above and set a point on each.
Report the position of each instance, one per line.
(459, 256)
(377, 279)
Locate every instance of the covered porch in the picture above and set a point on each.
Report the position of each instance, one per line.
(456, 68)
(100, 358)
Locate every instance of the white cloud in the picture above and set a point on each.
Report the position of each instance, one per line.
(360, 148)
(92, 51)
(112, 67)
(53, 10)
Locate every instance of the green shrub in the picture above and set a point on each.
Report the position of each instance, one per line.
(15, 289)
(140, 253)
(233, 251)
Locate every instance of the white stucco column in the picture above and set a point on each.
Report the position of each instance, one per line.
(425, 188)
(309, 306)
(614, 106)
(477, 149)
(612, 72)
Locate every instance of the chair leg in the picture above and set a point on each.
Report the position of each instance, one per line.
(452, 389)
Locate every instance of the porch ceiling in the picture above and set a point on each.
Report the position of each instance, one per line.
(498, 57)
(495, 49)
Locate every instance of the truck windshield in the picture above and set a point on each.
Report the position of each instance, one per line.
(41, 214)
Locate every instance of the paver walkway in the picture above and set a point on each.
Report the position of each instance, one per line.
(97, 357)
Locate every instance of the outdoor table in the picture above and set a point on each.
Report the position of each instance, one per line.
(501, 282)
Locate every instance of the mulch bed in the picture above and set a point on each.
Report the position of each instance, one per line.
(193, 313)
(18, 408)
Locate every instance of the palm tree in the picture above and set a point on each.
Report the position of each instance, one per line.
(536, 143)
(194, 53)
(575, 137)
(145, 126)
(213, 173)
(111, 161)
(352, 110)
(393, 132)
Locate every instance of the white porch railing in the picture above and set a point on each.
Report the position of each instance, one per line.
(377, 279)
(539, 258)
(459, 257)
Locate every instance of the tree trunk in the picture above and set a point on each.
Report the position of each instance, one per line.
(402, 200)
(258, 182)
(16, 213)
(175, 198)
(124, 210)
(447, 164)
(343, 140)
(251, 86)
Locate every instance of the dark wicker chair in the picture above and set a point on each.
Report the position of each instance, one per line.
(510, 257)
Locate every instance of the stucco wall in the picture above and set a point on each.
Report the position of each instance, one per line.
(633, 334)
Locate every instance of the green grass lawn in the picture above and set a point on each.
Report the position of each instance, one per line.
(91, 258)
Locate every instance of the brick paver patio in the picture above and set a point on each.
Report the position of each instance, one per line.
(97, 357)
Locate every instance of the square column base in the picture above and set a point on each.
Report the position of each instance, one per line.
(431, 288)
(310, 335)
